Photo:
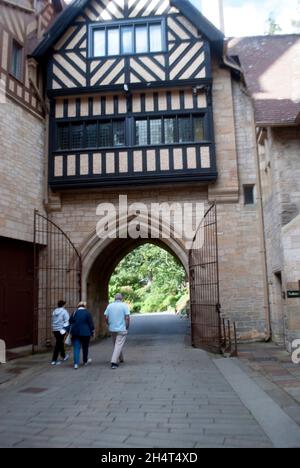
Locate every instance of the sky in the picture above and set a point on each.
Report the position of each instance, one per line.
(249, 17)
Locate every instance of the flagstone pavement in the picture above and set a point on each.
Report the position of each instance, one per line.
(166, 395)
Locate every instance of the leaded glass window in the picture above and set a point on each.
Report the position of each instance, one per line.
(198, 128)
(185, 130)
(63, 137)
(105, 134)
(91, 135)
(119, 133)
(77, 136)
(169, 131)
(141, 132)
(155, 132)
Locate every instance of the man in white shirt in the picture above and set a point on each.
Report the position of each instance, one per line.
(117, 317)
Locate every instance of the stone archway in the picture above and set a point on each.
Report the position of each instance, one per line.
(101, 256)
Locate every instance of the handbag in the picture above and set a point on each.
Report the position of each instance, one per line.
(68, 340)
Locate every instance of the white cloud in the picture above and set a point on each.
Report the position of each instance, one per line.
(249, 17)
(244, 21)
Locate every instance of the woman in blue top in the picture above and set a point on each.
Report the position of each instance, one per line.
(82, 329)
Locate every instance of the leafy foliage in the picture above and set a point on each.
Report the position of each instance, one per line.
(274, 28)
(150, 279)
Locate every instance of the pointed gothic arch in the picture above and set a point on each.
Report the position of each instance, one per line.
(101, 256)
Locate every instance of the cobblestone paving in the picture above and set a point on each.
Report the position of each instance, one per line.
(167, 394)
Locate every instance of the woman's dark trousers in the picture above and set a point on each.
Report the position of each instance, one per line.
(59, 346)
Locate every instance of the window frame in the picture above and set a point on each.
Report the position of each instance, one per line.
(126, 24)
(85, 123)
(176, 118)
(249, 197)
(17, 45)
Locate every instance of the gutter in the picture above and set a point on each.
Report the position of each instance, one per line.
(229, 63)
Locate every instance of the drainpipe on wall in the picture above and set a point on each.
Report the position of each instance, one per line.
(46, 158)
(268, 331)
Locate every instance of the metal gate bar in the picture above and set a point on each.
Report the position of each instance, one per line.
(204, 285)
(57, 274)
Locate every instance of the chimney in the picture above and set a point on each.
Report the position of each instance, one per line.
(221, 15)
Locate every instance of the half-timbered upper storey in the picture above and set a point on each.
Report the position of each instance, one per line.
(129, 83)
(22, 25)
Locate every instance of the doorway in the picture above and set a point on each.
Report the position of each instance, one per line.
(16, 292)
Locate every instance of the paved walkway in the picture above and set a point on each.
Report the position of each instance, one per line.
(271, 366)
(167, 394)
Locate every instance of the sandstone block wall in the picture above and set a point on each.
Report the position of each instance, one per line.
(280, 170)
(22, 170)
(240, 248)
(291, 249)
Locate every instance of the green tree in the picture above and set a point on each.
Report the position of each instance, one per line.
(150, 279)
(274, 27)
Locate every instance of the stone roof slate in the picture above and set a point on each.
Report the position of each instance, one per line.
(271, 67)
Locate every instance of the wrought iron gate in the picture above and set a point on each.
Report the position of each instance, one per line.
(204, 285)
(57, 274)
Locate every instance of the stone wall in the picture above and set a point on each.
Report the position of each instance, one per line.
(285, 147)
(226, 187)
(239, 252)
(291, 249)
(22, 170)
(240, 244)
(241, 274)
(280, 171)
